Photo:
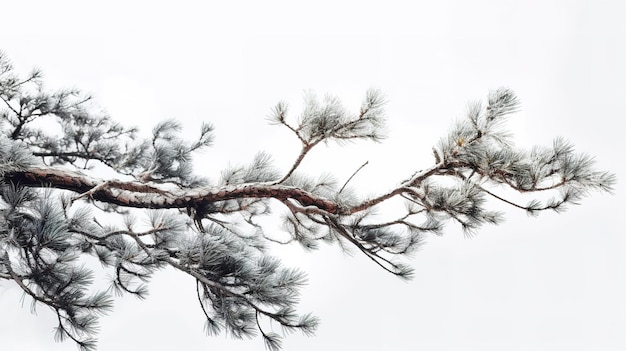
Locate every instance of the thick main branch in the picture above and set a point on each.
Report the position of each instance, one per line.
(145, 195)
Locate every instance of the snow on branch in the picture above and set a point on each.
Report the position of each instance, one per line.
(212, 232)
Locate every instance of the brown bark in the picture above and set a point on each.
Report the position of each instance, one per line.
(143, 195)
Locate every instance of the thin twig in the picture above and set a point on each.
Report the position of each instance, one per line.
(352, 176)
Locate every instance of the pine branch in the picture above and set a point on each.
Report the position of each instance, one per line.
(236, 281)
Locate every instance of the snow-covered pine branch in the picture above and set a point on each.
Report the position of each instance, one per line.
(50, 203)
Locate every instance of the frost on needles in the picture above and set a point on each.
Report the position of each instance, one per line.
(52, 205)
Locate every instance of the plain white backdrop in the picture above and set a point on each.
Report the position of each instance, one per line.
(556, 282)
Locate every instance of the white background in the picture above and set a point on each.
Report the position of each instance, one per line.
(556, 282)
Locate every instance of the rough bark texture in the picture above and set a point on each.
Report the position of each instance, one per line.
(143, 195)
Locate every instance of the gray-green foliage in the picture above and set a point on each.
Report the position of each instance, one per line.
(83, 134)
(46, 234)
(41, 253)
